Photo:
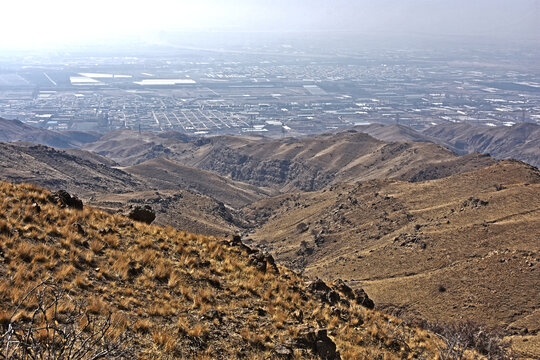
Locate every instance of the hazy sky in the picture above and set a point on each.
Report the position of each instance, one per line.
(39, 23)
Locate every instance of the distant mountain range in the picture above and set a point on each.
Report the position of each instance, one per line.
(15, 130)
(289, 164)
(521, 141)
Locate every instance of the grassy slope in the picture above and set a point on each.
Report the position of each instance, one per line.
(404, 242)
(161, 283)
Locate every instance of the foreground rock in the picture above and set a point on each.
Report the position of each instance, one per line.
(64, 199)
(339, 292)
(142, 213)
(318, 342)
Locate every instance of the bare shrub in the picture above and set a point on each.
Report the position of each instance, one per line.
(468, 335)
(59, 328)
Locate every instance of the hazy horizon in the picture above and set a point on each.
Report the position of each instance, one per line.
(34, 24)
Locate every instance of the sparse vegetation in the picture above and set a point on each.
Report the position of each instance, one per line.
(47, 324)
(459, 337)
(171, 293)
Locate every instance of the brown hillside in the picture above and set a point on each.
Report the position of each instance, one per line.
(170, 175)
(285, 164)
(461, 247)
(182, 209)
(101, 182)
(15, 130)
(80, 172)
(174, 294)
(396, 133)
(521, 141)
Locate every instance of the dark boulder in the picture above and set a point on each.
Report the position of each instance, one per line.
(263, 261)
(318, 342)
(142, 213)
(363, 299)
(64, 199)
(318, 285)
(344, 289)
(323, 292)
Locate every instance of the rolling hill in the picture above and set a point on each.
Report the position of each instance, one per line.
(167, 174)
(85, 280)
(520, 141)
(83, 174)
(460, 247)
(305, 164)
(15, 130)
(99, 181)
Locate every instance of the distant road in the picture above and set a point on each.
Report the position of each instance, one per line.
(51, 80)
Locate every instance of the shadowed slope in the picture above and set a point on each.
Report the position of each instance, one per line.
(169, 175)
(15, 130)
(521, 141)
(288, 164)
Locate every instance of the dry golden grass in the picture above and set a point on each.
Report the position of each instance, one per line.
(181, 295)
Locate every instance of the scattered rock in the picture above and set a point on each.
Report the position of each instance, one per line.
(78, 227)
(302, 227)
(283, 352)
(333, 297)
(263, 261)
(323, 292)
(363, 299)
(318, 342)
(318, 285)
(236, 240)
(142, 213)
(261, 312)
(64, 199)
(344, 289)
(270, 262)
(474, 203)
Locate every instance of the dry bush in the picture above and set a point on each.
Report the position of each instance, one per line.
(58, 329)
(468, 335)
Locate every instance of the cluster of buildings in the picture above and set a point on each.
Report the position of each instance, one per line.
(272, 95)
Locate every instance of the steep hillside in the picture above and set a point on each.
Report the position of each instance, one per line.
(397, 133)
(170, 175)
(130, 147)
(461, 247)
(15, 130)
(99, 180)
(84, 174)
(182, 209)
(171, 294)
(521, 141)
(288, 164)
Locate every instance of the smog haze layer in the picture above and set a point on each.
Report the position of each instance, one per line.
(61, 24)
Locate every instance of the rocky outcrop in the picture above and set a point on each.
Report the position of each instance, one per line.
(142, 213)
(64, 199)
(263, 261)
(318, 342)
(363, 299)
(339, 293)
(265, 172)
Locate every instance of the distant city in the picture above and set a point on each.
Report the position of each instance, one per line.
(275, 92)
